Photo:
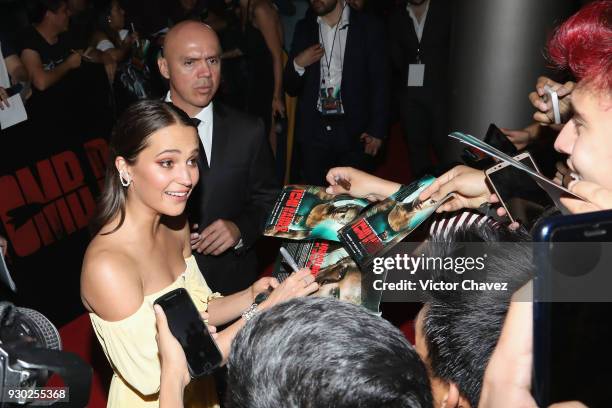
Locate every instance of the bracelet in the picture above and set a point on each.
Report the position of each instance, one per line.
(250, 312)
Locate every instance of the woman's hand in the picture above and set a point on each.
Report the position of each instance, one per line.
(263, 285)
(278, 107)
(298, 284)
(468, 185)
(347, 180)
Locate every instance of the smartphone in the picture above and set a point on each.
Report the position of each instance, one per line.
(571, 339)
(186, 324)
(520, 195)
(551, 95)
(496, 138)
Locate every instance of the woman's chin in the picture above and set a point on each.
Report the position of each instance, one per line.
(173, 211)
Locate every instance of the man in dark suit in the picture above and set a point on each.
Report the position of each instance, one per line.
(338, 69)
(419, 35)
(237, 187)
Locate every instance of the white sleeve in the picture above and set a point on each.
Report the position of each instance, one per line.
(105, 45)
(298, 69)
(123, 33)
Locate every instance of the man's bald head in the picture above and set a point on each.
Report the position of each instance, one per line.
(192, 63)
(189, 29)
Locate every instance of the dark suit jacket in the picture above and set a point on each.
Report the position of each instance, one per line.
(365, 78)
(434, 46)
(239, 186)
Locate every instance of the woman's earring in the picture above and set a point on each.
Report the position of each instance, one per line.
(124, 179)
(109, 20)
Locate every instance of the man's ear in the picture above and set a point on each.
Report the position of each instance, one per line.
(454, 399)
(163, 67)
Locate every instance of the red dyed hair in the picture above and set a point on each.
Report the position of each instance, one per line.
(583, 44)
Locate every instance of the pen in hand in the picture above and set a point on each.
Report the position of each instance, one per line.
(289, 259)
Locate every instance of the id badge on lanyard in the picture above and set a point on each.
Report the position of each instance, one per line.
(416, 72)
(330, 99)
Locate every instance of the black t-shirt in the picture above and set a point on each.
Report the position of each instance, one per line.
(51, 55)
(7, 46)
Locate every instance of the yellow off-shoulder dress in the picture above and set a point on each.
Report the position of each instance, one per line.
(131, 349)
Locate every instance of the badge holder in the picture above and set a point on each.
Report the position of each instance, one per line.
(331, 101)
(416, 72)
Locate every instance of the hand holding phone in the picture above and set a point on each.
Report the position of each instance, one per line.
(551, 95)
(518, 193)
(201, 350)
(173, 360)
(498, 139)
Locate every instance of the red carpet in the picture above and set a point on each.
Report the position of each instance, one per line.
(78, 335)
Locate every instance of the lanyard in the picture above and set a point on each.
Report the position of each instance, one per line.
(328, 61)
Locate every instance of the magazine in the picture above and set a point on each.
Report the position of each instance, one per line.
(386, 223)
(335, 271)
(308, 212)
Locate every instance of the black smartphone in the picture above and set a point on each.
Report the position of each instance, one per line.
(572, 337)
(186, 324)
(496, 138)
(520, 195)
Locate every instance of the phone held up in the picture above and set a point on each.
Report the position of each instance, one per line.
(519, 194)
(186, 324)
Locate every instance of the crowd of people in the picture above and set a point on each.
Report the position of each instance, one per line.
(191, 180)
(58, 40)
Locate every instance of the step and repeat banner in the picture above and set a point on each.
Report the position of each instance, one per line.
(50, 175)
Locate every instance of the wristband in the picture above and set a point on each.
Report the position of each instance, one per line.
(250, 312)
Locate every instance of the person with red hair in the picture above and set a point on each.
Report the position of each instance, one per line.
(583, 45)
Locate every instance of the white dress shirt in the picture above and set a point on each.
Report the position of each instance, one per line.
(205, 128)
(335, 59)
(418, 25)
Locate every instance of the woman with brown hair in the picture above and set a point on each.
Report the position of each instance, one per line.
(141, 250)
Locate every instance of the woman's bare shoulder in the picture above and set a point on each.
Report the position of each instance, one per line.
(111, 286)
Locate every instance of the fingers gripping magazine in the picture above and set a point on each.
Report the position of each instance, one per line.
(308, 212)
(388, 222)
(335, 271)
(364, 230)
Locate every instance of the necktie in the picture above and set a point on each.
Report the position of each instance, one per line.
(203, 158)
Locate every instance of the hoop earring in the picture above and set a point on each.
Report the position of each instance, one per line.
(125, 181)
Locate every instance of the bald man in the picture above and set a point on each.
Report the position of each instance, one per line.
(237, 186)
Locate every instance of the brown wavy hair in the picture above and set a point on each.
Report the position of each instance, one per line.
(130, 136)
